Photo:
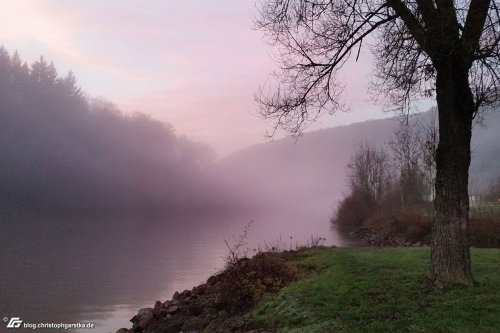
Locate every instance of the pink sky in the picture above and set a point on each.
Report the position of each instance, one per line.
(195, 64)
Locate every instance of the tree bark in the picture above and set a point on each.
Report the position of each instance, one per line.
(450, 256)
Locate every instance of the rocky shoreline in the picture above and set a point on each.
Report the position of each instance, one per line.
(223, 304)
(186, 313)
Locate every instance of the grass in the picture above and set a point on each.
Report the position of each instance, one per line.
(488, 209)
(382, 290)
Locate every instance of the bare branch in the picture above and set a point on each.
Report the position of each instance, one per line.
(315, 38)
(414, 26)
(476, 18)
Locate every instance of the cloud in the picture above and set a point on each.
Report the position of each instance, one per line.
(61, 33)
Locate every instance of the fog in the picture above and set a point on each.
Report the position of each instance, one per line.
(104, 212)
(293, 172)
(311, 170)
(65, 153)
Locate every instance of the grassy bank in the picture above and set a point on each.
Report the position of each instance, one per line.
(382, 290)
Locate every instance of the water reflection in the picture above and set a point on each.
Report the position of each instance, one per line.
(104, 270)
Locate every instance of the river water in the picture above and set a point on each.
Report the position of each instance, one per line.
(103, 270)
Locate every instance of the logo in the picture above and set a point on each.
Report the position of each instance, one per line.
(14, 322)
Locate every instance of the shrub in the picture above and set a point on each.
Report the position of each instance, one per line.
(352, 213)
(412, 224)
(245, 281)
(485, 232)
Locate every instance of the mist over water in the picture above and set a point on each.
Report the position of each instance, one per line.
(104, 270)
(104, 213)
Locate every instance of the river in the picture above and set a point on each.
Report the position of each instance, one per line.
(102, 270)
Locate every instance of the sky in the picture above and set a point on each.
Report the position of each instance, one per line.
(195, 64)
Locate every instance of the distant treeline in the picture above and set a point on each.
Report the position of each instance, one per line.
(61, 152)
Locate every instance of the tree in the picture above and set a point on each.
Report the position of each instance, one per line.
(369, 177)
(69, 85)
(369, 173)
(43, 73)
(408, 157)
(423, 48)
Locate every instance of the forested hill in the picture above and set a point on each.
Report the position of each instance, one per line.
(313, 168)
(61, 152)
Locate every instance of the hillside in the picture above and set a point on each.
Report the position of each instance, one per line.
(313, 168)
(62, 152)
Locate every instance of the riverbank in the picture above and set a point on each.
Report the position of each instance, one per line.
(334, 290)
(225, 302)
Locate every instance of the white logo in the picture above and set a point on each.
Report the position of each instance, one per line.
(14, 322)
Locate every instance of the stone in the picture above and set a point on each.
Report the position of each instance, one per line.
(159, 310)
(142, 319)
(195, 309)
(194, 324)
(172, 309)
(199, 290)
(212, 280)
(185, 293)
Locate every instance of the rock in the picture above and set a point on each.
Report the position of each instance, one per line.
(195, 309)
(123, 330)
(159, 310)
(168, 325)
(142, 319)
(199, 290)
(172, 309)
(185, 293)
(212, 280)
(195, 324)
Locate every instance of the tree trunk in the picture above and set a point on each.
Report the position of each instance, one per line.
(450, 256)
